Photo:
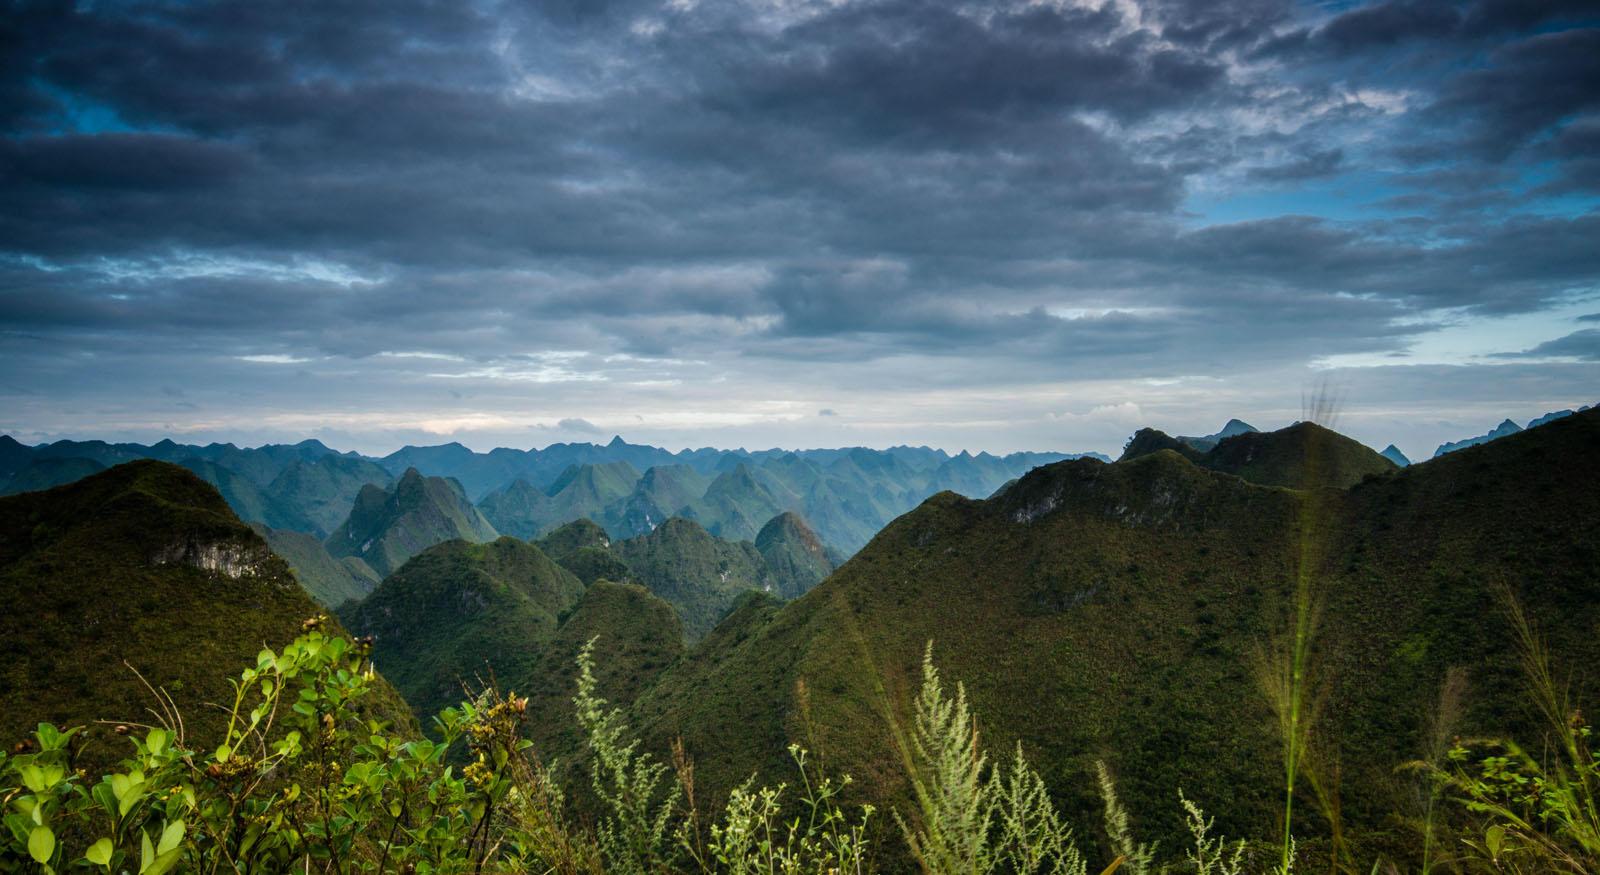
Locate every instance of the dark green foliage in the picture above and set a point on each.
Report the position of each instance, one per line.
(518, 510)
(1122, 610)
(698, 574)
(1295, 455)
(1276, 458)
(385, 529)
(796, 557)
(639, 636)
(143, 563)
(330, 581)
(460, 612)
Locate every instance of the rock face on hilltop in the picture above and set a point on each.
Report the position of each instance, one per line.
(796, 557)
(1124, 611)
(459, 612)
(144, 564)
(386, 528)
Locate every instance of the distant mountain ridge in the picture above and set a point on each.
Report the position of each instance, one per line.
(847, 494)
(385, 529)
(1505, 428)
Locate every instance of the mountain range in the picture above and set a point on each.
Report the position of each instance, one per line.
(1126, 611)
(460, 612)
(1506, 427)
(847, 495)
(1131, 612)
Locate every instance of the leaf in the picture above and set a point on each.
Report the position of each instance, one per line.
(163, 862)
(147, 851)
(41, 844)
(99, 853)
(157, 742)
(33, 777)
(1495, 838)
(170, 837)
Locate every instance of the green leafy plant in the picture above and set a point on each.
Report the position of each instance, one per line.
(1532, 812)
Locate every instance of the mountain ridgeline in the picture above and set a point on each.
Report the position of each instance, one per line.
(1303, 455)
(385, 528)
(1134, 612)
(1128, 612)
(846, 494)
(460, 613)
(143, 568)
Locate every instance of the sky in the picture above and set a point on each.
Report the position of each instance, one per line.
(973, 225)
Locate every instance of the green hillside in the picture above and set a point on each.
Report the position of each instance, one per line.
(320, 493)
(143, 564)
(659, 494)
(518, 510)
(459, 612)
(248, 500)
(584, 549)
(795, 556)
(638, 637)
(1126, 612)
(330, 581)
(1298, 456)
(698, 574)
(735, 505)
(385, 528)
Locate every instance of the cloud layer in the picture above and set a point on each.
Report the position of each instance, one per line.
(703, 221)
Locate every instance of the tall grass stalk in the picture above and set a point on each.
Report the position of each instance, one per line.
(1286, 671)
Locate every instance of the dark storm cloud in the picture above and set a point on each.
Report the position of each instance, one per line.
(1583, 345)
(1009, 182)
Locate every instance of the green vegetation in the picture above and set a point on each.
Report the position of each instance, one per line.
(330, 581)
(387, 528)
(795, 556)
(141, 568)
(459, 614)
(1337, 672)
(1288, 457)
(301, 778)
(1120, 612)
(698, 574)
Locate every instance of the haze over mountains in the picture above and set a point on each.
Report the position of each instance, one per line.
(846, 494)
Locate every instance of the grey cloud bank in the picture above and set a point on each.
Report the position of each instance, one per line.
(985, 225)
